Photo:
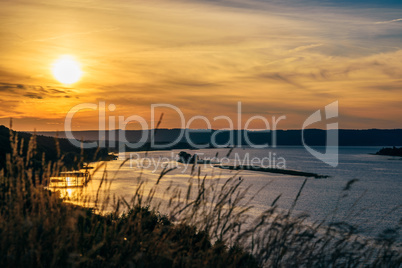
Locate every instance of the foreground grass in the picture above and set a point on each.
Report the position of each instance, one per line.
(65, 235)
(210, 228)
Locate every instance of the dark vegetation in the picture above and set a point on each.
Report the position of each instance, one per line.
(390, 151)
(47, 149)
(313, 137)
(37, 229)
(206, 226)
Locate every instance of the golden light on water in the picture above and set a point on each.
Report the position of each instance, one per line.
(67, 70)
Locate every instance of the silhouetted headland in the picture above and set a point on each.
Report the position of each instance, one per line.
(394, 151)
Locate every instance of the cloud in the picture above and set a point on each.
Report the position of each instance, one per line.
(34, 96)
(67, 36)
(301, 48)
(387, 87)
(33, 91)
(388, 21)
(281, 77)
(202, 56)
(5, 87)
(191, 83)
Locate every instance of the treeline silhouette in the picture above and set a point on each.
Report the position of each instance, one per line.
(312, 137)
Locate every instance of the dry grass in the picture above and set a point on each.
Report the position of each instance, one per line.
(210, 227)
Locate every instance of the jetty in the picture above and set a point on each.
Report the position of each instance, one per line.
(274, 170)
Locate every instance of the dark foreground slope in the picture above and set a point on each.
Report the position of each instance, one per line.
(48, 148)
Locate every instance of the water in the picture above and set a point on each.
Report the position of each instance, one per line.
(373, 202)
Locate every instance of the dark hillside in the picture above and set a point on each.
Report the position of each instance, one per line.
(47, 147)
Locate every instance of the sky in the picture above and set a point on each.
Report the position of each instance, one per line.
(277, 58)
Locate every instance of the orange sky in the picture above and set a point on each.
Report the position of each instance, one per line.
(203, 57)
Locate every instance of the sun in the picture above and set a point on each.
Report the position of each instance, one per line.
(67, 70)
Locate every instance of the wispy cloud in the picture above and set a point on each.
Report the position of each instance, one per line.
(388, 21)
(73, 35)
(33, 91)
(301, 48)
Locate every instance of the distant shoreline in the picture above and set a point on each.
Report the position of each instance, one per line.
(312, 137)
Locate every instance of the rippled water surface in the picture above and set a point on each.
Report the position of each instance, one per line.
(372, 202)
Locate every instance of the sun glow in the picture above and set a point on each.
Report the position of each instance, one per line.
(67, 70)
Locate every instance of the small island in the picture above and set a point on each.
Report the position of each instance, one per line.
(394, 151)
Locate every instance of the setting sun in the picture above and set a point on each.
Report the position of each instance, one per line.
(67, 70)
(235, 133)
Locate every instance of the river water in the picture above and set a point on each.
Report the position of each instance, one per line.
(373, 202)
